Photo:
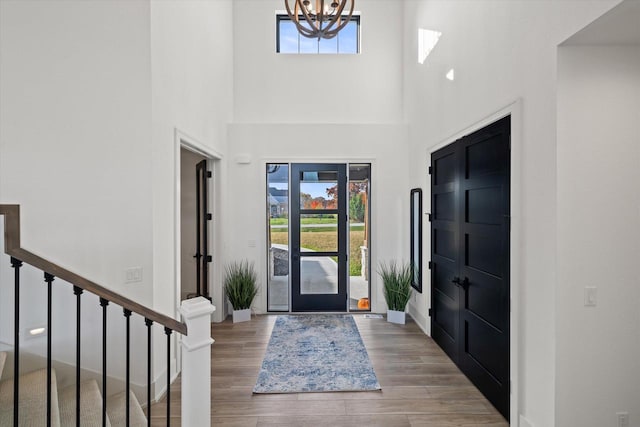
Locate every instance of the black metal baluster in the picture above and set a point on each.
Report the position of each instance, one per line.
(104, 303)
(127, 315)
(148, 323)
(16, 264)
(77, 291)
(48, 278)
(168, 332)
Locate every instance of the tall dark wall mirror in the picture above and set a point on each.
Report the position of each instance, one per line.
(416, 239)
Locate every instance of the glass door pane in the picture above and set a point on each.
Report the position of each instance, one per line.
(359, 265)
(278, 236)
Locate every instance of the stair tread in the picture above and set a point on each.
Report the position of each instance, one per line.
(116, 409)
(3, 358)
(32, 400)
(90, 405)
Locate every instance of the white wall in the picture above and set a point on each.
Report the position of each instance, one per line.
(191, 62)
(90, 96)
(501, 51)
(75, 116)
(75, 134)
(192, 77)
(382, 145)
(279, 88)
(598, 348)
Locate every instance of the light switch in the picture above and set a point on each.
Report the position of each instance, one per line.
(590, 296)
(133, 275)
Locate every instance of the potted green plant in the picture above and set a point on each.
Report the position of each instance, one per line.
(396, 281)
(240, 286)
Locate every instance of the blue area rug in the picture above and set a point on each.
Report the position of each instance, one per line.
(313, 353)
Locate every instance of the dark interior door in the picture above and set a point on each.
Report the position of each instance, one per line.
(445, 252)
(203, 257)
(318, 277)
(470, 257)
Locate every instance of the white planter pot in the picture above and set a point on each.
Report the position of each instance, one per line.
(241, 315)
(395, 316)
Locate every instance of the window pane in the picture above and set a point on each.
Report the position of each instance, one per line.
(318, 275)
(308, 45)
(346, 42)
(348, 38)
(319, 232)
(288, 37)
(278, 244)
(328, 46)
(319, 190)
(359, 187)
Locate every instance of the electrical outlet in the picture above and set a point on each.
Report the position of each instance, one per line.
(623, 419)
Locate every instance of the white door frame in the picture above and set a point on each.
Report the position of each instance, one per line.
(183, 140)
(376, 299)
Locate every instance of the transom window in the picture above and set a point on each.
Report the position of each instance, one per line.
(289, 40)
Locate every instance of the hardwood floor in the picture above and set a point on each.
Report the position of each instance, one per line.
(420, 385)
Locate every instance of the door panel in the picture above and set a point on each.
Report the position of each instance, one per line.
(470, 250)
(318, 277)
(444, 250)
(485, 357)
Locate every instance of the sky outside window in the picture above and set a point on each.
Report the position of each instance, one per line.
(290, 41)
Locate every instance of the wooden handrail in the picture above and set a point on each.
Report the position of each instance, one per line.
(12, 248)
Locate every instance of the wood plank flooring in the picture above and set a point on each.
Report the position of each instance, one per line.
(420, 385)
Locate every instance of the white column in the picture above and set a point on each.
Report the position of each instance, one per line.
(196, 362)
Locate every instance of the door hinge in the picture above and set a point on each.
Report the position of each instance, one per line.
(208, 174)
(209, 217)
(209, 258)
(430, 265)
(429, 217)
(430, 170)
(430, 311)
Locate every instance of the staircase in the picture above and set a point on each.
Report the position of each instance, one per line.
(32, 401)
(35, 398)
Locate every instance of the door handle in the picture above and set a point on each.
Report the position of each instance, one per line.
(464, 283)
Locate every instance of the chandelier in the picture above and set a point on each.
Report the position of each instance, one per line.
(322, 21)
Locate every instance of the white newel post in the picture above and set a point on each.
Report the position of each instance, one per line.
(196, 362)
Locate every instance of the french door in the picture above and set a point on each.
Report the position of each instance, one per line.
(318, 202)
(470, 197)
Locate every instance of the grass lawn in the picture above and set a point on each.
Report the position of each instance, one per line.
(318, 229)
(320, 239)
(285, 221)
